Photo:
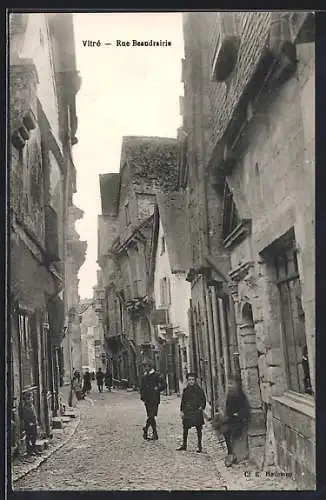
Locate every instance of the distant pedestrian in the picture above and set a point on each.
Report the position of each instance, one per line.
(76, 387)
(30, 424)
(193, 403)
(93, 375)
(100, 379)
(108, 379)
(87, 382)
(150, 387)
(234, 419)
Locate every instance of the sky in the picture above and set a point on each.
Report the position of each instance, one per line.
(125, 91)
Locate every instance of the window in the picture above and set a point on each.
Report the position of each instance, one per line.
(292, 316)
(127, 214)
(162, 245)
(165, 292)
(51, 234)
(230, 214)
(26, 348)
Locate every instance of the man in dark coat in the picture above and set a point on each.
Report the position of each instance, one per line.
(150, 387)
(108, 379)
(87, 382)
(100, 379)
(30, 424)
(235, 418)
(193, 403)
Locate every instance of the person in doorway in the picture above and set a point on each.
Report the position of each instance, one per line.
(150, 388)
(235, 418)
(193, 403)
(108, 379)
(87, 382)
(30, 424)
(100, 379)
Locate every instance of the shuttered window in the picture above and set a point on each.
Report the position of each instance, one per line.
(26, 348)
(165, 287)
(293, 321)
(51, 234)
(230, 214)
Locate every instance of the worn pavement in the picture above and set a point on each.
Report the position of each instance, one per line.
(108, 452)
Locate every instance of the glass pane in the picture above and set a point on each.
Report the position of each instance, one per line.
(291, 263)
(281, 267)
(291, 356)
(299, 328)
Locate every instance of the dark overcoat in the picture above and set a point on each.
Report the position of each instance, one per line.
(150, 387)
(100, 377)
(236, 415)
(193, 403)
(108, 379)
(87, 381)
(237, 412)
(29, 416)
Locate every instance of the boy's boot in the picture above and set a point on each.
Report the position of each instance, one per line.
(199, 439)
(155, 435)
(145, 430)
(183, 447)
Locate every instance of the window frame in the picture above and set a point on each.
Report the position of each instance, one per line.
(127, 214)
(163, 245)
(27, 348)
(285, 278)
(231, 217)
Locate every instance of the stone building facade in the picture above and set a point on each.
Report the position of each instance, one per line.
(125, 242)
(88, 325)
(247, 168)
(43, 84)
(171, 292)
(75, 257)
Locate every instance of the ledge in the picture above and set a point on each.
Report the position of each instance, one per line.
(238, 273)
(238, 234)
(301, 403)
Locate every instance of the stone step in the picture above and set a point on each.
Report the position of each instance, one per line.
(42, 444)
(65, 420)
(69, 414)
(57, 422)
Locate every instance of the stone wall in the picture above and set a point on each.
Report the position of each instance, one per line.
(295, 436)
(273, 185)
(275, 173)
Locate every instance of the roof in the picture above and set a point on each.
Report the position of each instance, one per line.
(110, 188)
(153, 158)
(172, 209)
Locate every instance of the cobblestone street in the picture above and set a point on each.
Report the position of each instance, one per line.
(108, 452)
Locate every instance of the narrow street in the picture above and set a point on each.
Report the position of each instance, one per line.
(162, 240)
(107, 452)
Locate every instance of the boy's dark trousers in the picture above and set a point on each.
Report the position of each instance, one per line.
(31, 435)
(151, 410)
(199, 429)
(100, 386)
